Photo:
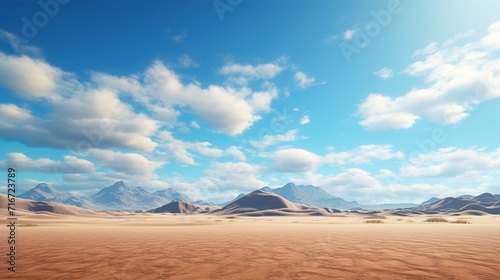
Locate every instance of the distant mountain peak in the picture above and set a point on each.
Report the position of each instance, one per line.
(485, 196)
(309, 195)
(45, 188)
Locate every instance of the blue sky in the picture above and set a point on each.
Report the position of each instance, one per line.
(374, 101)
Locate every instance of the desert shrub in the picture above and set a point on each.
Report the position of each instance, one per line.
(436, 220)
(375, 217)
(374, 222)
(460, 222)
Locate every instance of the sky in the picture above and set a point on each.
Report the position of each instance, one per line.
(373, 101)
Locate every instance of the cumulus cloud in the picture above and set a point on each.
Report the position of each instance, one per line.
(130, 163)
(384, 73)
(295, 160)
(194, 124)
(94, 119)
(30, 78)
(270, 140)
(22, 163)
(241, 74)
(304, 120)
(300, 160)
(94, 114)
(11, 115)
(227, 109)
(459, 78)
(349, 34)
(362, 155)
(360, 185)
(186, 61)
(452, 162)
(235, 152)
(302, 80)
(183, 151)
(224, 176)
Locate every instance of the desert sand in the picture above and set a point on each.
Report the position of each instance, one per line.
(168, 246)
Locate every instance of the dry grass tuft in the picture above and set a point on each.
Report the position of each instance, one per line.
(460, 222)
(436, 220)
(374, 222)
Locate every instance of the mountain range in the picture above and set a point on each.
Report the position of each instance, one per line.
(264, 203)
(484, 203)
(119, 196)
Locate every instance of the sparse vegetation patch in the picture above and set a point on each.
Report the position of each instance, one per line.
(374, 222)
(436, 220)
(27, 225)
(460, 221)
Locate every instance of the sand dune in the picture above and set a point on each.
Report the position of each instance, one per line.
(38, 206)
(475, 207)
(257, 201)
(175, 207)
(261, 203)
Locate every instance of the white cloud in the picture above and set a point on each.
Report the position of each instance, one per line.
(11, 115)
(380, 112)
(241, 74)
(129, 163)
(362, 155)
(384, 73)
(30, 78)
(235, 152)
(194, 124)
(106, 123)
(22, 163)
(459, 78)
(349, 34)
(295, 160)
(18, 45)
(186, 61)
(224, 176)
(358, 184)
(304, 120)
(183, 151)
(457, 37)
(179, 38)
(429, 49)
(452, 162)
(331, 39)
(302, 80)
(492, 40)
(270, 140)
(227, 109)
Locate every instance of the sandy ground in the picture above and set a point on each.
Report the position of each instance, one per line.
(210, 247)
